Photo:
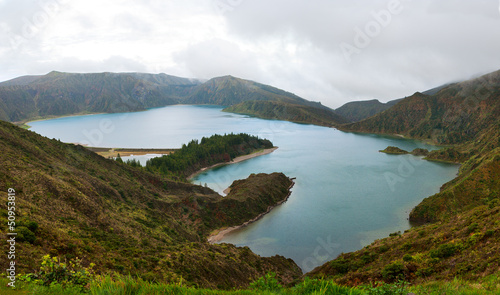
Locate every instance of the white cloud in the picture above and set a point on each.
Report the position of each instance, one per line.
(293, 44)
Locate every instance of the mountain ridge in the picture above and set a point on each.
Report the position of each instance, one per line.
(356, 111)
(59, 94)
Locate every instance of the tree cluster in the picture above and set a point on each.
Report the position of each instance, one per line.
(209, 151)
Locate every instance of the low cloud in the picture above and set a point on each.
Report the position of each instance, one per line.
(294, 45)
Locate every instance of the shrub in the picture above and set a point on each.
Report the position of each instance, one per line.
(340, 265)
(393, 271)
(266, 283)
(444, 251)
(24, 234)
(395, 234)
(55, 272)
(32, 226)
(368, 257)
(398, 288)
(383, 249)
(407, 257)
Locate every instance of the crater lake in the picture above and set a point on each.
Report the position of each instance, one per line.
(346, 195)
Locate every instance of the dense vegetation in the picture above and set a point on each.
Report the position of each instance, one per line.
(73, 203)
(460, 237)
(288, 112)
(268, 284)
(207, 152)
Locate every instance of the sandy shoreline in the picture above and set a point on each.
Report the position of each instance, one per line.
(235, 160)
(124, 152)
(218, 235)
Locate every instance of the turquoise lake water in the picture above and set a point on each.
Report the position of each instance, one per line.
(346, 193)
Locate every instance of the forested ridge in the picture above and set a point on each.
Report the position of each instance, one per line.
(207, 152)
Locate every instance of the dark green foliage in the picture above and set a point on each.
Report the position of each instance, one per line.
(25, 234)
(119, 159)
(340, 265)
(444, 251)
(209, 151)
(133, 163)
(393, 150)
(393, 271)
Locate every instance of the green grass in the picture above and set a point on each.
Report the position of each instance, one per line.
(108, 285)
(489, 285)
(126, 285)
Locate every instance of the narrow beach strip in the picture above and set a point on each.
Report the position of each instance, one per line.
(218, 235)
(235, 160)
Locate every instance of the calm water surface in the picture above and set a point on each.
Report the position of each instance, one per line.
(346, 195)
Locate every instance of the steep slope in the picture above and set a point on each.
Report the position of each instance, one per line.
(57, 94)
(288, 112)
(358, 110)
(464, 238)
(71, 202)
(456, 114)
(229, 90)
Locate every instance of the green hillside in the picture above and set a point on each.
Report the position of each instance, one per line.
(460, 235)
(70, 203)
(456, 114)
(288, 112)
(229, 90)
(58, 94)
(358, 110)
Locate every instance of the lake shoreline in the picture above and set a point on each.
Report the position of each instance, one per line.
(219, 234)
(234, 161)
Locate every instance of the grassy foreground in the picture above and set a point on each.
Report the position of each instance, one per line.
(119, 284)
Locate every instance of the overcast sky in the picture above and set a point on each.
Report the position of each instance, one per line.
(333, 51)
